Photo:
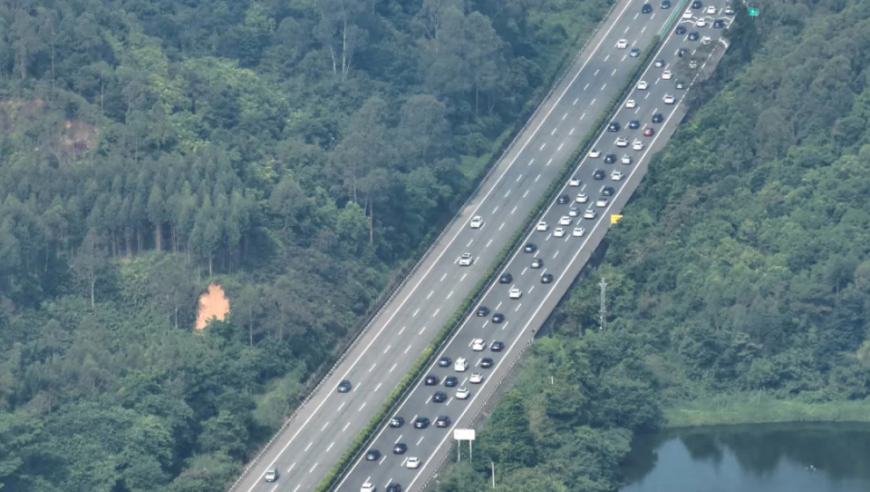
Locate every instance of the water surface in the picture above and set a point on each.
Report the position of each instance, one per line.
(757, 458)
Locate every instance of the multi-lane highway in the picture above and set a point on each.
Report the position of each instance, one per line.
(548, 254)
(323, 427)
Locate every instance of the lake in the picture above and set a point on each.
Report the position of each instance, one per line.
(802, 457)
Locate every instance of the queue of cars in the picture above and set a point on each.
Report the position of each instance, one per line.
(570, 221)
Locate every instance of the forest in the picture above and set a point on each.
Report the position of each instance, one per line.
(739, 273)
(300, 153)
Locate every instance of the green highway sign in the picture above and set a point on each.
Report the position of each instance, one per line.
(753, 12)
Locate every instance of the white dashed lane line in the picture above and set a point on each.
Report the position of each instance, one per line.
(531, 161)
(415, 313)
(394, 366)
(400, 331)
(519, 178)
(603, 86)
(495, 210)
(543, 145)
(345, 427)
(432, 291)
(571, 132)
(515, 208)
(596, 71)
(436, 312)
(309, 446)
(501, 226)
(554, 131)
(524, 195)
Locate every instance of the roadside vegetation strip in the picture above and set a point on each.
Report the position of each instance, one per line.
(427, 357)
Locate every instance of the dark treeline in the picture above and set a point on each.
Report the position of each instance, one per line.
(298, 152)
(740, 268)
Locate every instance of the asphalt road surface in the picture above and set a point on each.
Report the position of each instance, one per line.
(562, 257)
(323, 427)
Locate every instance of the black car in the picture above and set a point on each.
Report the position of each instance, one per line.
(421, 423)
(599, 174)
(666, 4)
(373, 455)
(431, 380)
(497, 318)
(547, 278)
(607, 190)
(613, 126)
(529, 248)
(610, 158)
(563, 199)
(486, 363)
(505, 278)
(344, 386)
(647, 8)
(718, 23)
(680, 84)
(634, 53)
(394, 487)
(634, 124)
(445, 361)
(660, 63)
(442, 421)
(658, 118)
(450, 381)
(697, 4)
(693, 36)
(397, 422)
(481, 311)
(496, 346)
(400, 447)
(537, 263)
(439, 397)
(680, 30)
(682, 52)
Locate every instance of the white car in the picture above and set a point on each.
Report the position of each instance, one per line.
(478, 344)
(368, 487)
(669, 99)
(693, 64)
(573, 212)
(666, 75)
(687, 14)
(476, 222)
(565, 220)
(542, 226)
(701, 23)
(616, 175)
(631, 103)
(729, 10)
(578, 232)
(622, 142)
(575, 181)
(476, 378)
(706, 40)
(626, 159)
(637, 145)
(622, 44)
(460, 365)
(559, 232)
(590, 214)
(466, 259)
(711, 10)
(601, 202)
(514, 293)
(413, 463)
(594, 153)
(271, 475)
(642, 85)
(581, 198)
(462, 394)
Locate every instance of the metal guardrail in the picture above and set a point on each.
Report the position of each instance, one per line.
(369, 319)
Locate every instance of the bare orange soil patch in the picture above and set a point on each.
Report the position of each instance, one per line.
(212, 304)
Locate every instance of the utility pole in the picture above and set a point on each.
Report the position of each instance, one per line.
(602, 314)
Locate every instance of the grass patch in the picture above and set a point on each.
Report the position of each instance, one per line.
(757, 408)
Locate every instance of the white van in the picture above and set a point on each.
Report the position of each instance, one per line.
(460, 365)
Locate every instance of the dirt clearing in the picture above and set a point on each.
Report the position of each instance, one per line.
(212, 304)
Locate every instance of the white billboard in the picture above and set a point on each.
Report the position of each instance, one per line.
(463, 434)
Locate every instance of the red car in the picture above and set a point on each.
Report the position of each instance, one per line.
(648, 132)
